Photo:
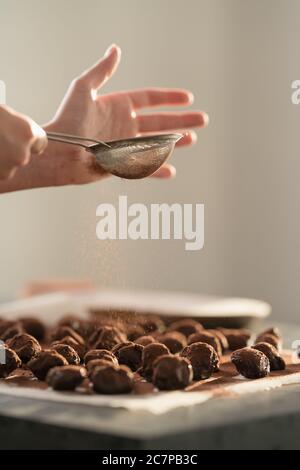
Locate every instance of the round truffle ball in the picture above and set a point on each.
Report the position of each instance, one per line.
(203, 358)
(111, 379)
(66, 377)
(172, 373)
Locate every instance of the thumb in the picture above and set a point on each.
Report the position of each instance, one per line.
(39, 139)
(100, 72)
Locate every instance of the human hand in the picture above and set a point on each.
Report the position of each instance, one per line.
(20, 137)
(105, 117)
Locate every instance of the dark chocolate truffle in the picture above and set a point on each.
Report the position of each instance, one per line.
(174, 340)
(26, 346)
(237, 339)
(276, 361)
(172, 373)
(68, 353)
(145, 340)
(111, 379)
(34, 327)
(79, 348)
(9, 361)
(271, 339)
(251, 363)
(108, 337)
(150, 354)
(131, 356)
(205, 337)
(203, 358)
(66, 377)
(100, 354)
(47, 359)
(62, 331)
(186, 326)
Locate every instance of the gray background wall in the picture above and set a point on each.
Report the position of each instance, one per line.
(239, 58)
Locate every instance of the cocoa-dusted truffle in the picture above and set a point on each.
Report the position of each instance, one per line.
(47, 359)
(79, 348)
(150, 323)
(8, 328)
(100, 354)
(150, 354)
(237, 339)
(221, 337)
(62, 331)
(271, 331)
(83, 327)
(108, 337)
(251, 363)
(119, 346)
(276, 361)
(205, 337)
(68, 353)
(134, 332)
(33, 327)
(145, 340)
(271, 339)
(66, 377)
(9, 361)
(203, 358)
(174, 340)
(131, 356)
(26, 346)
(186, 326)
(91, 365)
(111, 379)
(172, 373)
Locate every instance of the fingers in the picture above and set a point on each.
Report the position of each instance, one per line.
(165, 172)
(171, 121)
(151, 97)
(100, 72)
(188, 138)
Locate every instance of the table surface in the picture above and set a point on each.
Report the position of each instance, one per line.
(269, 420)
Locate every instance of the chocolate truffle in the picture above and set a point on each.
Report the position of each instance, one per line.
(145, 340)
(108, 337)
(205, 337)
(203, 358)
(251, 363)
(33, 327)
(66, 377)
(271, 339)
(47, 359)
(172, 373)
(100, 354)
(94, 363)
(111, 379)
(26, 346)
(174, 341)
(186, 326)
(150, 354)
(131, 356)
(79, 348)
(119, 346)
(68, 353)
(134, 332)
(6, 325)
(237, 339)
(62, 331)
(151, 323)
(9, 361)
(276, 361)
(271, 331)
(15, 329)
(221, 337)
